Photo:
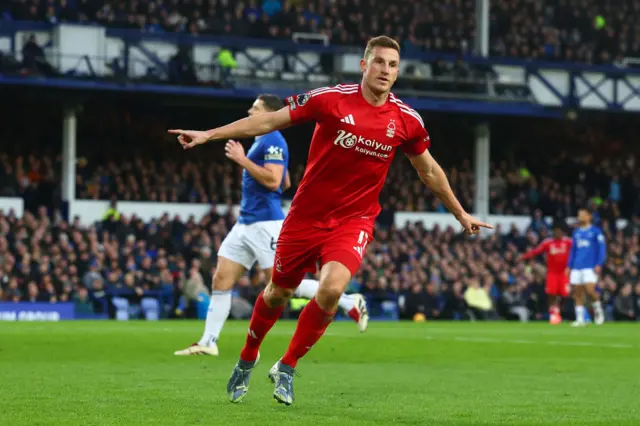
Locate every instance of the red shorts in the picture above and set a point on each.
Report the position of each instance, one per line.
(301, 247)
(557, 284)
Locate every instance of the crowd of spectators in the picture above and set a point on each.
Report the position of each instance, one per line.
(519, 188)
(46, 259)
(556, 188)
(590, 31)
(124, 152)
(437, 273)
(514, 188)
(432, 270)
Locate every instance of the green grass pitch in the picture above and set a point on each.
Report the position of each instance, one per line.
(110, 373)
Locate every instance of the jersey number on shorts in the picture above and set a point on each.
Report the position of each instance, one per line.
(274, 242)
(363, 239)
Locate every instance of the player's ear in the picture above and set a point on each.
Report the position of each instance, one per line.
(363, 65)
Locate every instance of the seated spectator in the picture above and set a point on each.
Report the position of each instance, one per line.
(33, 58)
(83, 303)
(478, 301)
(416, 302)
(195, 295)
(515, 304)
(455, 305)
(242, 305)
(623, 304)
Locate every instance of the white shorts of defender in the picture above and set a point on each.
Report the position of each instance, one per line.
(248, 244)
(583, 276)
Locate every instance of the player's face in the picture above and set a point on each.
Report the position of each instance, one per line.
(380, 69)
(584, 218)
(258, 107)
(557, 233)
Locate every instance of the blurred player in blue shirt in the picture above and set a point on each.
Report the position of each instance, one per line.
(588, 254)
(253, 238)
(262, 197)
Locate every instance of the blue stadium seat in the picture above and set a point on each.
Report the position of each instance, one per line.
(122, 308)
(150, 308)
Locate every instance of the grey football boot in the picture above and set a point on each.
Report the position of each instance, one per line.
(283, 392)
(238, 384)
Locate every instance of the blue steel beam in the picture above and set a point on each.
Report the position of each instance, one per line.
(430, 104)
(565, 100)
(635, 91)
(593, 89)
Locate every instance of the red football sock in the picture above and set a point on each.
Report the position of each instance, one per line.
(262, 319)
(354, 314)
(312, 324)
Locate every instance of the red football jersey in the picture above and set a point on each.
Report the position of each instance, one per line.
(557, 251)
(351, 150)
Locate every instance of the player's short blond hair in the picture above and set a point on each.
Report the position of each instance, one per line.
(380, 41)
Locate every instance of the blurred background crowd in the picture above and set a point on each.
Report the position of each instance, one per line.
(435, 272)
(569, 30)
(123, 154)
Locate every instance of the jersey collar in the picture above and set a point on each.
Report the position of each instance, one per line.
(382, 107)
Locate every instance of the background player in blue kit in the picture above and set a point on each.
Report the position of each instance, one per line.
(253, 238)
(588, 254)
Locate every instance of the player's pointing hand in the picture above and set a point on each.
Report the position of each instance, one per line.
(234, 151)
(190, 138)
(472, 225)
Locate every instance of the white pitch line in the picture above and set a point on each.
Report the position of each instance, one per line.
(537, 342)
(493, 340)
(560, 331)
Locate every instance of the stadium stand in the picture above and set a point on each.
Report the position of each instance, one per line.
(564, 30)
(119, 155)
(172, 260)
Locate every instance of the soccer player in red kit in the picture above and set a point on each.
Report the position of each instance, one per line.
(331, 219)
(557, 250)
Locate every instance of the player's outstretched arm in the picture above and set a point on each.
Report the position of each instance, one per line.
(541, 248)
(435, 179)
(256, 125)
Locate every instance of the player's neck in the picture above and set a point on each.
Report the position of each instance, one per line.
(374, 99)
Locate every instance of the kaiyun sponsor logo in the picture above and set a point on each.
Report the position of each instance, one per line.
(365, 146)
